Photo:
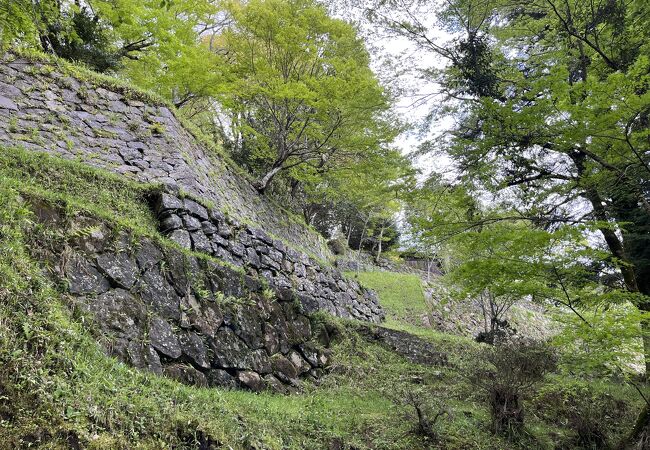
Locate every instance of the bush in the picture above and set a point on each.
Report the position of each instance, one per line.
(592, 415)
(500, 330)
(510, 371)
(338, 246)
(424, 410)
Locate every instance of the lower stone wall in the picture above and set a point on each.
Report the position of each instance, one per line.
(288, 272)
(162, 309)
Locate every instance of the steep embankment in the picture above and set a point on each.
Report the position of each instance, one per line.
(102, 267)
(59, 389)
(53, 107)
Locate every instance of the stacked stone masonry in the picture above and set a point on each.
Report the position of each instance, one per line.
(44, 110)
(164, 310)
(289, 273)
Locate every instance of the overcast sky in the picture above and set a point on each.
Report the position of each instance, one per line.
(406, 60)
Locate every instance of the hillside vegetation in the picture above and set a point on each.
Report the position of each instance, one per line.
(520, 171)
(61, 391)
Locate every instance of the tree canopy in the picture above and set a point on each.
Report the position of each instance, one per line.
(550, 103)
(300, 91)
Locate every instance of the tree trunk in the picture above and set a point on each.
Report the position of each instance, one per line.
(363, 232)
(381, 236)
(263, 183)
(638, 438)
(349, 233)
(631, 256)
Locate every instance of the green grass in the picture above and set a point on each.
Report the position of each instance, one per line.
(76, 187)
(57, 387)
(400, 294)
(402, 298)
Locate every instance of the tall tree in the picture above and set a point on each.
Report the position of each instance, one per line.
(552, 105)
(301, 92)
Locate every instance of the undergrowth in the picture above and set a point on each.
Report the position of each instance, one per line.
(59, 390)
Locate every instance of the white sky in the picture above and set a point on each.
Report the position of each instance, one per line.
(408, 60)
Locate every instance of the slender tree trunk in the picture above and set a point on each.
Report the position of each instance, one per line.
(484, 311)
(349, 233)
(263, 183)
(363, 232)
(381, 236)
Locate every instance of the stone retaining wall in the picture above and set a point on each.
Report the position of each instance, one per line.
(167, 311)
(43, 109)
(290, 273)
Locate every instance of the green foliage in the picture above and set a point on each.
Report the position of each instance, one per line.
(592, 410)
(157, 46)
(491, 252)
(299, 91)
(172, 62)
(17, 24)
(509, 372)
(357, 203)
(605, 342)
(81, 36)
(551, 105)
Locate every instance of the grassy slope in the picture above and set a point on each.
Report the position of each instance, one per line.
(401, 295)
(57, 387)
(403, 300)
(56, 384)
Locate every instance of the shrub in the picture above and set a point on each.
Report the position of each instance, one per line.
(510, 371)
(592, 414)
(424, 410)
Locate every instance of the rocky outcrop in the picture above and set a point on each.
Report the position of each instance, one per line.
(161, 309)
(290, 273)
(45, 108)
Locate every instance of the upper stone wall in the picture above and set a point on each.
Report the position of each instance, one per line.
(43, 109)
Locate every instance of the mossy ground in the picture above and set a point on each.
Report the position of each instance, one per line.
(59, 390)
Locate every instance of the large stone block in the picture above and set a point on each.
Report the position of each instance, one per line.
(120, 268)
(154, 289)
(194, 349)
(163, 339)
(84, 278)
